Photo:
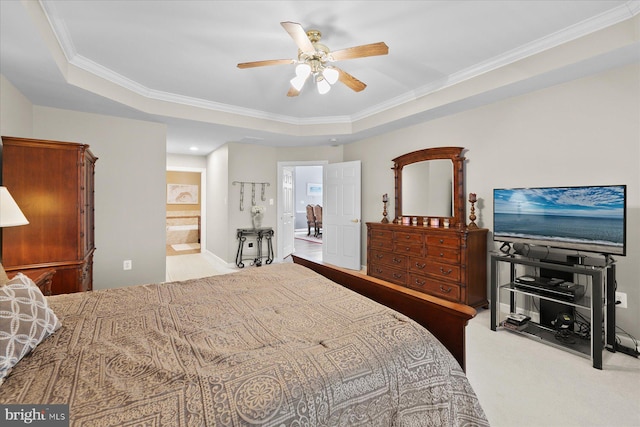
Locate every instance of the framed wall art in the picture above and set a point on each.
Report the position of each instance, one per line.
(182, 194)
(314, 189)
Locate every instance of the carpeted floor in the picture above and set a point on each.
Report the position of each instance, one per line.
(192, 266)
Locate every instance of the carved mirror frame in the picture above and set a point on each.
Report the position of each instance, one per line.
(454, 154)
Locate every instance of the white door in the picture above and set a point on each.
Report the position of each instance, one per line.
(288, 214)
(341, 215)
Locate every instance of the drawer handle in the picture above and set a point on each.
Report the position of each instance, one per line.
(446, 291)
(378, 271)
(407, 248)
(441, 240)
(420, 266)
(445, 272)
(407, 237)
(397, 275)
(397, 260)
(420, 282)
(441, 254)
(379, 256)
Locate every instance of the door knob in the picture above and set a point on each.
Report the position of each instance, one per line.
(355, 220)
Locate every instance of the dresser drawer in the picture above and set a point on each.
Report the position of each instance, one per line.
(443, 271)
(404, 237)
(443, 240)
(387, 273)
(444, 253)
(418, 265)
(381, 244)
(384, 235)
(389, 258)
(448, 291)
(409, 248)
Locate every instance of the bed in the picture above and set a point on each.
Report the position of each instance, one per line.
(279, 345)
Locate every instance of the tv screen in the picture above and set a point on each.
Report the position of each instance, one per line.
(590, 218)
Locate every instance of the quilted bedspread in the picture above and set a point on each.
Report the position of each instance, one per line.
(277, 345)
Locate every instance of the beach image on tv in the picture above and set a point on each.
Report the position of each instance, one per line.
(576, 215)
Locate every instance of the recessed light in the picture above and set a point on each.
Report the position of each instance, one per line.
(193, 148)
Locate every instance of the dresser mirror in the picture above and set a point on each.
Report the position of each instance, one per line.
(430, 183)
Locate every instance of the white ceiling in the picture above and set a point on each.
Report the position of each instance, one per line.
(174, 62)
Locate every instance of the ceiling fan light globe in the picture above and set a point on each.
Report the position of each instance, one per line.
(331, 75)
(298, 81)
(303, 70)
(323, 86)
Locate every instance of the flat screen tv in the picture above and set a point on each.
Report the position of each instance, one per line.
(590, 218)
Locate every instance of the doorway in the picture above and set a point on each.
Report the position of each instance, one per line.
(293, 233)
(185, 211)
(308, 210)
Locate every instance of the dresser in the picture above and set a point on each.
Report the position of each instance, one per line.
(53, 183)
(445, 262)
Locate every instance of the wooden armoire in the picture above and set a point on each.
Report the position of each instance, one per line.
(53, 183)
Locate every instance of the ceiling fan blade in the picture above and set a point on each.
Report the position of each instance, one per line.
(299, 36)
(265, 63)
(373, 49)
(293, 91)
(350, 81)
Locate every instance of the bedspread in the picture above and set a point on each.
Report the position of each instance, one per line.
(276, 346)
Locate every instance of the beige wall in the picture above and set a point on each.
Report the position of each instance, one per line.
(16, 114)
(217, 207)
(249, 163)
(584, 132)
(130, 205)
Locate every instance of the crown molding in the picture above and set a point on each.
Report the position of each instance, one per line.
(581, 29)
(606, 19)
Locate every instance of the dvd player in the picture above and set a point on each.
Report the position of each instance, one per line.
(550, 287)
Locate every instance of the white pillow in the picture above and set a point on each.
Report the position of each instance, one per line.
(25, 321)
(3, 276)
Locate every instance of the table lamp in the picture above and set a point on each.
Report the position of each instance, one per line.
(10, 216)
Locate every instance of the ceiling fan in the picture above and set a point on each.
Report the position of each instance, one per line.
(315, 59)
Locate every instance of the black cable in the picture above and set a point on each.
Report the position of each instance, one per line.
(584, 326)
(635, 341)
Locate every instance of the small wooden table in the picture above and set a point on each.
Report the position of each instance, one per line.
(259, 234)
(42, 277)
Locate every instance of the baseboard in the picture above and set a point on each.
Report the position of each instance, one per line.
(216, 258)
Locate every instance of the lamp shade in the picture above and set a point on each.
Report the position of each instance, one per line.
(10, 213)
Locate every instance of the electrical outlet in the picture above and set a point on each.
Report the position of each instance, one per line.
(621, 300)
(126, 265)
